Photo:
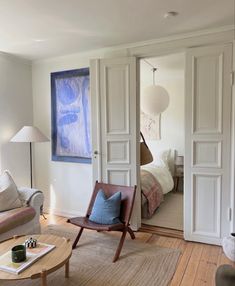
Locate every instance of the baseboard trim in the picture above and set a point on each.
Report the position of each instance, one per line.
(162, 231)
(63, 213)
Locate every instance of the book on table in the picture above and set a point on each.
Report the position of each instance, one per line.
(32, 255)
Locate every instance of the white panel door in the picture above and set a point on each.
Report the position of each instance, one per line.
(115, 131)
(207, 154)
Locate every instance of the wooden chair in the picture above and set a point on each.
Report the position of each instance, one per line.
(128, 196)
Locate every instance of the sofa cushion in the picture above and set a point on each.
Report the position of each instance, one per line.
(15, 217)
(9, 196)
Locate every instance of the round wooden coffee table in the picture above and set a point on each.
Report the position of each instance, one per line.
(49, 263)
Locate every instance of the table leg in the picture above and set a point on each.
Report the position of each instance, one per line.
(67, 269)
(44, 278)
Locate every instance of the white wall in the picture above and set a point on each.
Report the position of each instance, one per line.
(16, 110)
(67, 186)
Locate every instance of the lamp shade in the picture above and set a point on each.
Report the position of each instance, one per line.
(146, 156)
(29, 134)
(155, 99)
(179, 160)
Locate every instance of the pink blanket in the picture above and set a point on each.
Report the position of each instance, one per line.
(152, 191)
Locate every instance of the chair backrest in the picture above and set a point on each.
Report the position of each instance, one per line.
(128, 197)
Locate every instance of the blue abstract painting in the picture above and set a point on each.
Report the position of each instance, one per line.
(71, 134)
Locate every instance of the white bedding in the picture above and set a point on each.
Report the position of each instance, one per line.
(163, 175)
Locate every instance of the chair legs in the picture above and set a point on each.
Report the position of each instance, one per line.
(130, 231)
(77, 238)
(118, 251)
(120, 245)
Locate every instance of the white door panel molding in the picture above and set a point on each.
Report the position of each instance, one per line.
(206, 153)
(207, 88)
(118, 151)
(116, 97)
(206, 195)
(119, 177)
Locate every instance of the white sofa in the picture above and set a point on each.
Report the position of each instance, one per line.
(32, 200)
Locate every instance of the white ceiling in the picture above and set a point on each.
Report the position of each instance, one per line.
(170, 67)
(36, 29)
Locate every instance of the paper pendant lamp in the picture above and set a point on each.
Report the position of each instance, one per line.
(155, 100)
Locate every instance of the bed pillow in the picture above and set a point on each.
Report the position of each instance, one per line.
(162, 158)
(9, 196)
(106, 210)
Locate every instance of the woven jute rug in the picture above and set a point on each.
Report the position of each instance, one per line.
(140, 264)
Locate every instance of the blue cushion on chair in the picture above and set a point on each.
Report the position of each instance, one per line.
(106, 210)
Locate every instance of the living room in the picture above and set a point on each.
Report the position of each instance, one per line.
(50, 37)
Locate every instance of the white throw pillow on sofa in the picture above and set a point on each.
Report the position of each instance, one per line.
(9, 196)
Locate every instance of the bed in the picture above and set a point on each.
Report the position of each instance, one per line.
(156, 181)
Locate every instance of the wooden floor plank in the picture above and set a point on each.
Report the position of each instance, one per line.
(161, 241)
(191, 270)
(168, 242)
(212, 265)
(207, 266)
(153, 239)
(176, 243)
(183, 263)
(143, 236)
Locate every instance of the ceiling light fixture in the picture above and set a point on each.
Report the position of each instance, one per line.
(39, 40)
(155, 98)
(171, 14)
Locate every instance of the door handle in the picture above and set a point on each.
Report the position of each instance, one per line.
(96, 153)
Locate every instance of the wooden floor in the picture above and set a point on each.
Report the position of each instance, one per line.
(197, 264)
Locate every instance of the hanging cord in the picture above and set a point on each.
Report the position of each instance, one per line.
(154, 69)
(147, 62)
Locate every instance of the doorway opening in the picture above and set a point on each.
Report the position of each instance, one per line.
(162, 181)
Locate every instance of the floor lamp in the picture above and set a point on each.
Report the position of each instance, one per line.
(29, 134)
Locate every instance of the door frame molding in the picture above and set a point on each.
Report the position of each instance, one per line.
(180, 45)
(232, 226)
(95, 109)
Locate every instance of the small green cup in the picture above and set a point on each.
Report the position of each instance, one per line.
(18, 253)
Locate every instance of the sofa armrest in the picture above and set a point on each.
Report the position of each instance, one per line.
(31, 197)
